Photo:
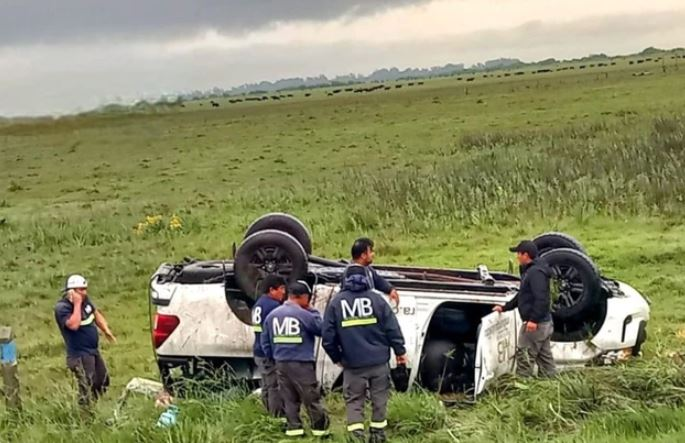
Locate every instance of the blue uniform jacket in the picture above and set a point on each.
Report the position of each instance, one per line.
(260, 311)
(359, 327)
(290, 333)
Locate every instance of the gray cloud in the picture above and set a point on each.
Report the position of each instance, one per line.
(68, 77)
(41, 21)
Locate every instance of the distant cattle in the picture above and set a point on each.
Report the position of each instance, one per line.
(410, 84)
(507, 74)
(398, 86)
(387, 88)
(337, 91)
(519, 73)
(543, 71)
(613, 63)
(459, 79)
(214, 104)
(572, 67)
(582, 67)
(349, 89)
(639, 62)
(290, 96)
(470, 79)
(275, 97)
(330, 94)
(485, 75)
(420, 83)
(592, 65)
(307, 94)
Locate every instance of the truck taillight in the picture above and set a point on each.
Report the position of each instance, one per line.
(164, 327)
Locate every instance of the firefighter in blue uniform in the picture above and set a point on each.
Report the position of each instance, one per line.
(274, 293)
(289, 337)
(359, 330)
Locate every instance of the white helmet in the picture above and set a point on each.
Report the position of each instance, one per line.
(76, 282)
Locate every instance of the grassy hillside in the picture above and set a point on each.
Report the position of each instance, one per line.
(448, 173)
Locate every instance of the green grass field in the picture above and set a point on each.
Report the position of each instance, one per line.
(447, 174)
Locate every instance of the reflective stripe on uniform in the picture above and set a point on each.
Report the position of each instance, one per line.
(257, 328)
(287, 339)
(323, 433)
(294, 432)
(355, 427)
(88, 320)
(379, 424)
(359, 322)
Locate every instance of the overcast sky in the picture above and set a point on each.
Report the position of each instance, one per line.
(59, 56)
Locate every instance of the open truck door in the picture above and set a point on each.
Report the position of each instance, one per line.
(496, 348)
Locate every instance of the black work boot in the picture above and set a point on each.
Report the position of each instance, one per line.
(377, 436)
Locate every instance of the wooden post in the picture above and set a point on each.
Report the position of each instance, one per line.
(8, 361)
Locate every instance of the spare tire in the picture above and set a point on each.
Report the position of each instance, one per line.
(283, 222)
(575, 284)
(556, 240)
(443, 367)
(268, 252)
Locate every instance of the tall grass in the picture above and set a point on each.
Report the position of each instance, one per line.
(600, 169)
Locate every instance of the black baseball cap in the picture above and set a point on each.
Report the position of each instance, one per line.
(299, 287)
(526, 246)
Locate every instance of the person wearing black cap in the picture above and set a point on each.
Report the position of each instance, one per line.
(288, 338)
(533, 302)
(359, 330)
(274, 288)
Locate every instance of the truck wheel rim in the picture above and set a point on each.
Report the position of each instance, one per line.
(567, 285)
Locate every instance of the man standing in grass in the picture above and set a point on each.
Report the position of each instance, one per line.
(274, 293)
(359, 330)
(533, 302)
(78, 321)
(362, 255)
(289, 338)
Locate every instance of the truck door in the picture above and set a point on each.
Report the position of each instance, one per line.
(496, 347)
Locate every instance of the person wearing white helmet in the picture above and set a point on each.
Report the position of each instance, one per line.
(78, 321)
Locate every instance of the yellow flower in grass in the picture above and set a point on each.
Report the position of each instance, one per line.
(153, 220)
(139, 229)
(175, 224)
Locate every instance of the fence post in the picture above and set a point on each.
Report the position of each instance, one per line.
(8, 361)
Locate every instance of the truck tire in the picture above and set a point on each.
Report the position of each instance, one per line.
(572, 330)
(575, 285)
(283, 222)
(556, 240)
(442, 365)
(268, 252)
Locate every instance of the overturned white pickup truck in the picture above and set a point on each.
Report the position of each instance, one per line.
(202, 321)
